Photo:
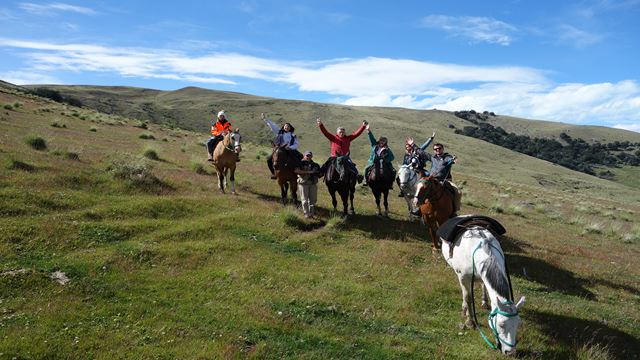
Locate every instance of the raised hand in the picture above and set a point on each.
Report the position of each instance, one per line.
(409, 140)
(367, 127)
(434, 134)
(262, 116)
(318, 122)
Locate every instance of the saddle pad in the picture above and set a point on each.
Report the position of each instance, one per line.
(450, 229)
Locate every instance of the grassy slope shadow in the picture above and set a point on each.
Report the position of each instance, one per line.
(574, 333)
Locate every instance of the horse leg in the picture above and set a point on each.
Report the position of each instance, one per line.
(344, 195)
(351, 193)
(485, 304)
(333, 200)
(386, 203)
(376, 194)
(221, 180)
(284, 187)
(465, 286)
(294, 193)
(232, 177)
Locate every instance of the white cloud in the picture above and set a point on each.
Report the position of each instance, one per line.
(631, 127)
(573, 36)
(478, 29)
(27, 77)
(510, 90)
(48, 9)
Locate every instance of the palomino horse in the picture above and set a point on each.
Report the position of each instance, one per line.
(225, 157)
(477, 253)
(345, 187)
(408, 180)
(437, 208)
(284, 165)
(380, 179)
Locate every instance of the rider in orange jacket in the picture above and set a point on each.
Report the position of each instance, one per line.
(218, 130)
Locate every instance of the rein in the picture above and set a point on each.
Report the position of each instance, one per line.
(492, 318)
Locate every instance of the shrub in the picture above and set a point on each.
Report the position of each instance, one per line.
(497, 207)
(151, 154)
(71, 156)
(16, 105)
(141, 125)
(19, 165)
(515, 210)
(336, 222)
(146, 136)
(198, 168)
(137, 173)
(36, 142)
(56, 124)
(8, 106)
(594, 228)
(93, 129)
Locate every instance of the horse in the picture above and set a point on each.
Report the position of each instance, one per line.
(225, 157)
(284, 166)
(380, 178)
(408, 179)
(345, 187)
(477, 253)
(437, 208)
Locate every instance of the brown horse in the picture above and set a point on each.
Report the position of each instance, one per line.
(284, 166)
(437, 208)
(380, 178)
(225, 157)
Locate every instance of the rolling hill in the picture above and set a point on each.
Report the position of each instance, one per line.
(161, 265)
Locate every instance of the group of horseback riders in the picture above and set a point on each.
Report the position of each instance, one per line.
(415, 156)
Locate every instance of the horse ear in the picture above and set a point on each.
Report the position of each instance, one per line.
(520, 302)
(237, 130)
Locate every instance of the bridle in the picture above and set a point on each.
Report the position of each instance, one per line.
(492, 318)
(236, 142)
(412, 176)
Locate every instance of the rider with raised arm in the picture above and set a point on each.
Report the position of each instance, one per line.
(218, 130)
(416, 157)
(441, 163)
(379, 148)
(286, 139)
(340, 145)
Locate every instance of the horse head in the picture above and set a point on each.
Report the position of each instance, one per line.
(504, 321)
(279, 157)
(407, 177)
(235, 138)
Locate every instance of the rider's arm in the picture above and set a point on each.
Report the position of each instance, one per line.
(426, 144)
(357, 132)
(327, 134)
(272, 125)
(293, 146)
(372, 139)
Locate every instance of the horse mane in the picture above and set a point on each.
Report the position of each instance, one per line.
(495, 275)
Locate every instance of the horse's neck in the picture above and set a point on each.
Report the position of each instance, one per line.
(480, 269)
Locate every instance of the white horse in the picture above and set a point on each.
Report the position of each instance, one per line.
(478, 253)
(408, 180)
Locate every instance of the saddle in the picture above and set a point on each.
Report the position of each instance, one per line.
(452, 227)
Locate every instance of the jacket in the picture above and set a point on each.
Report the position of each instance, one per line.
(374, 150)
(340, 145)
(286, 139)
(219, 127)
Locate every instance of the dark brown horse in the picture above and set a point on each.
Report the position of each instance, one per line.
(284, 165)
(346, 186)
(380, 178)
(437, 207)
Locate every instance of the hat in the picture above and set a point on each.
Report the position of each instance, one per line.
(220, 113)
(308, 152)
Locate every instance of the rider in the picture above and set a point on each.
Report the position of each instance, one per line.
(340, 145)
(377, 148)
(416, 157)
(286, 139)
(441, 163)
(220, 128)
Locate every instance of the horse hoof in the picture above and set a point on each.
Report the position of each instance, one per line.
(234, 193)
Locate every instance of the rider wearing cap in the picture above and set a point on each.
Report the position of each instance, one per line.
(220, 128)
(340, 144)
(308, 173)
(441, 163)
(286, 139)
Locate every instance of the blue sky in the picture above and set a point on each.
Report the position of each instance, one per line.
(569, 61)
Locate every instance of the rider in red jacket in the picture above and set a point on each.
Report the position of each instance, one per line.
(340, 143)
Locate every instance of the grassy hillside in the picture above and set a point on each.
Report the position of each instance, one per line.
(161, 265)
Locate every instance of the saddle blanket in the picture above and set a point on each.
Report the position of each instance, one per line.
(450, 229)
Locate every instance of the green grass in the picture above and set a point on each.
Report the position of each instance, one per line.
(162, 265)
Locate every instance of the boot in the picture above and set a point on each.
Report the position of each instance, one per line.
(400, 194)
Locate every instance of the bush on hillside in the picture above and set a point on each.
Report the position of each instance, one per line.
(137, 172)
(146, 136)
(56, 124)
(198, 168)
(93, 129)
(151, 154)
(19, 165)
(36, 142)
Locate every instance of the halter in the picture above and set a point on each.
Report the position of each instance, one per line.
(492, 318)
